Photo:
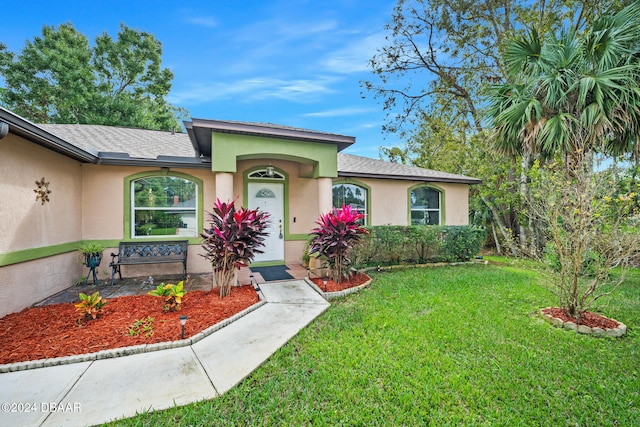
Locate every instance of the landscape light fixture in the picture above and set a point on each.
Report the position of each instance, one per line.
(183, 321)
(324, 281)
(255, 285)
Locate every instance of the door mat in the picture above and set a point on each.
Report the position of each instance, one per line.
(277, 272)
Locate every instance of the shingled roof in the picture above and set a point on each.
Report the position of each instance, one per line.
(364, 167)
(129, 145)
(138, 143)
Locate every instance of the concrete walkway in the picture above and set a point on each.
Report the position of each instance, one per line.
(94, 392)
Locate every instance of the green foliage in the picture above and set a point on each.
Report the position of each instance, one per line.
(59, 78)
(590, 229)
(91, 248)
(142, 326)
(460, 243)
(337, 232)
(90, 307)
(396, 245)
(573, 92)
(171, 294)
(440, 109)
(232, 240)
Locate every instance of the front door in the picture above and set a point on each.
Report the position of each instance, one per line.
(269, 197)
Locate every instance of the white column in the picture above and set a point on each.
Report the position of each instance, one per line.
(325, 195)
(224, 186)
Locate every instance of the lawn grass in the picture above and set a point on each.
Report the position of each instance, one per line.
(445, 346)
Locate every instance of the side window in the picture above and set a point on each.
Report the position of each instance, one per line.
(164, 206)
(352, 195)
(425, 206)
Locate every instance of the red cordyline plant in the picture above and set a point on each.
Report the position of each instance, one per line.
(337, 233)
(232, 240)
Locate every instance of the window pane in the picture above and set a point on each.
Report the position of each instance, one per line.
(425, 206)
(164, 192)
(425, 198)
(164, 206)
(433, 218)
(165, 223)
(352, 195)
(418, 218)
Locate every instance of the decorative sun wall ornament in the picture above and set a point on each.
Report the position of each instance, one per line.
(42, 192)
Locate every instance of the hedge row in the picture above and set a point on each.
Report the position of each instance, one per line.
(393, 245)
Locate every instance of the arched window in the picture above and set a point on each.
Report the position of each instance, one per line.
(267, 173)
(425, 206)
(352, 195)
(164, 205)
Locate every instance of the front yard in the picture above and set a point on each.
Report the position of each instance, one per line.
(445, 346)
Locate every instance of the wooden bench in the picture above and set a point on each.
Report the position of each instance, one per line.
(138, 253)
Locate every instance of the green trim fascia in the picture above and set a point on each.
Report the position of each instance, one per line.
(160, 172)
(24, 255)
(266, 264)
(299, 236)
(359, 184)
(227, 149)
(442, 201)
(32, 254)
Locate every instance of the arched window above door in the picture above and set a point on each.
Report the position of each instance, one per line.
(267, 173)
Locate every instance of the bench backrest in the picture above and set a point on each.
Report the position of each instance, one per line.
(176, 249)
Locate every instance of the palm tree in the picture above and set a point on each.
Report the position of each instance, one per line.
(574, 93)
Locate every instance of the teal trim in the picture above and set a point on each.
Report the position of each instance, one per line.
(161, 172)
(442, 201)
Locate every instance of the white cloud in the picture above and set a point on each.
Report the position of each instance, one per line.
(255, 88)
(354, 57)
(204, 21)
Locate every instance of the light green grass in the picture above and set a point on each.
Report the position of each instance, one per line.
(447, 346)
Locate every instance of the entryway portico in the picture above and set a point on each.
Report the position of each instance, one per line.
(287, 172)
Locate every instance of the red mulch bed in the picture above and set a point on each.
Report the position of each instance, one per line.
(53, 331)
(332, 286)
(589, 319)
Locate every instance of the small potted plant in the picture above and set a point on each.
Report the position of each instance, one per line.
(92, 254)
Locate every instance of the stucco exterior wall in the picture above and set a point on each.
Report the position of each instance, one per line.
(29, 225)
(104, 212)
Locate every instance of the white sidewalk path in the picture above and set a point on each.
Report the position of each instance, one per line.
(94, 392)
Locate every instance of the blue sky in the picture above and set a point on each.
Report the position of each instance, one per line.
(296, 63)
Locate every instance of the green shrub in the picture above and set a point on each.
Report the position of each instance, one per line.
(417, 244)
(461, 243)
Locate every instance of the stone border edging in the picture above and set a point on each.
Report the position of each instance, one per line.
(127, 351)
(332, 295)
(619, 331)
(429, 265)
(339, 294)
